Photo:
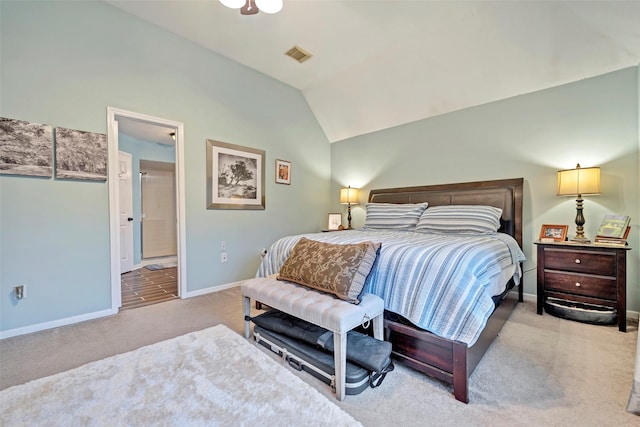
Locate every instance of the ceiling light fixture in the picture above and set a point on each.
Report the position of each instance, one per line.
(251, 7)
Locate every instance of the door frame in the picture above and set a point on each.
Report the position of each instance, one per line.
(114, 199)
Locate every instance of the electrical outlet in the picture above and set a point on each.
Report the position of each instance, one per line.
(223, 246)
(223, 257)
(20, 291)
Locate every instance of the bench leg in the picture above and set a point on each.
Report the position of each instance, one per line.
(340, 361)
(246, 303)
(378, 328)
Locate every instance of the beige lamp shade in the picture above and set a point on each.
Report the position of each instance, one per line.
(572, 182)
(349, 196)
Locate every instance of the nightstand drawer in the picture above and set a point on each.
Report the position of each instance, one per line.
(590, 262)
(590, 286)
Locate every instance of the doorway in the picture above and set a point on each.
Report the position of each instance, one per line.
(152, 191)
(143, 286)
(172, 132)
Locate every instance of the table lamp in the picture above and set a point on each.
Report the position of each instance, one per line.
(578, 182)
(349, 196)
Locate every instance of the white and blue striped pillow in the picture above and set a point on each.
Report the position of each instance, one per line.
(470, 219)
(393, 216)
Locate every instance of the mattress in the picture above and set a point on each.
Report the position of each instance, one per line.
(441, 283)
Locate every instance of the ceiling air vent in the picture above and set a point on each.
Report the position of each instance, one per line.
(298, 54)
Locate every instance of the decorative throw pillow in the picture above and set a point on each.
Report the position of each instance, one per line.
(471, 219)
(393, 216)
(339, 269)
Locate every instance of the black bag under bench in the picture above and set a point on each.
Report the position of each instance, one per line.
(307, 347)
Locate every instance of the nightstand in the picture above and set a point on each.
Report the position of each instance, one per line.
(588, 273)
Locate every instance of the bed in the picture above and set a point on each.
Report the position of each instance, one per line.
(419, 305)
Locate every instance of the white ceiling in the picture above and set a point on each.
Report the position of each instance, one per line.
(378, 64)
(145, 131)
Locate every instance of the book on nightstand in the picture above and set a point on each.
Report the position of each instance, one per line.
(613, 226)
(614, 240)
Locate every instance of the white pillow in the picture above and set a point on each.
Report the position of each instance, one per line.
(470, 219)
(393, 216)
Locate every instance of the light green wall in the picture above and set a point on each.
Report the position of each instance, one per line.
(62, 63)
(593, 122)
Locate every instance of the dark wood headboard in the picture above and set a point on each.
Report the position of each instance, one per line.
(505, 194)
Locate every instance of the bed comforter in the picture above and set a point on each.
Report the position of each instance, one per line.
(440, 283)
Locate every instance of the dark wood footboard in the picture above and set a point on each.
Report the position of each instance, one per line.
(452, 361)
(449, 361)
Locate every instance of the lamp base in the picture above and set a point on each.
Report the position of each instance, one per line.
(580, 239)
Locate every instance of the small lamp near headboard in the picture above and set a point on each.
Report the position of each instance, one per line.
(578, 182)
(349, 196)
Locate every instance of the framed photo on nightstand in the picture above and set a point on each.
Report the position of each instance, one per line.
(335, 221)
(553, 233)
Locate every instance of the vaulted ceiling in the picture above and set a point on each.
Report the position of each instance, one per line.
(378, 64)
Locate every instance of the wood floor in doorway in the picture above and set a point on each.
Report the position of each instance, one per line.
(145, 287)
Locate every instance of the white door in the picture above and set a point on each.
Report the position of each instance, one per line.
(126, 211)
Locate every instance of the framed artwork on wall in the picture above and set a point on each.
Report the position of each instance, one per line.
(81, 155)
(235, 176)
(283, 172)
(557, 233)
(25, 148)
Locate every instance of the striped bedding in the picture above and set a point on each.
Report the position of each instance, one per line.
(441, 283)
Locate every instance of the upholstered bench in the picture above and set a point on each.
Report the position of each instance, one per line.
(321, 309)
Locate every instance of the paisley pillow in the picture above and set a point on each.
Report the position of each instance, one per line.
(338, 269)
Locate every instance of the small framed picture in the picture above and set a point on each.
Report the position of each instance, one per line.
(557, 233)
(335, 221)
(283, 172)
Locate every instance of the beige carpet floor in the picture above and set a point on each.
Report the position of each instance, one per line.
(541, 370)
(218, 379)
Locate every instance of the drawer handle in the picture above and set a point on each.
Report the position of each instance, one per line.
(578, 284)
(577, 261)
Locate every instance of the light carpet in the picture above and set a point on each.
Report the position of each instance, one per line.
(217, 378)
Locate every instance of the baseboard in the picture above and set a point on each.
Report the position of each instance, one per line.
(55, 323)
(633, 315)
(95, 315)
(212, 289)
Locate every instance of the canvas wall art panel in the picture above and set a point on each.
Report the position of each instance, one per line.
(81, 155)
(26, 148)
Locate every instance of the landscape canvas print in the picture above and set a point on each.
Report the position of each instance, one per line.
(81, 155)
(25, 148)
